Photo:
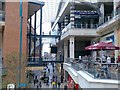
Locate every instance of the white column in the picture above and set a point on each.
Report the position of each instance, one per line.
(91, 23)
(71, 47)
(101, 19)
(114, 6)
(116, 42)
(65, 50)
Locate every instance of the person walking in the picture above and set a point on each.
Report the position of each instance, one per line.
(48, 70)
(53, 70)
(56, 78)
(34, 82)
(58, 85)
(47, 81)
(40, 85)
(65, 85)
(53, 77)
(37, 86)
(62, 78)
(108, 61)
(53, 84)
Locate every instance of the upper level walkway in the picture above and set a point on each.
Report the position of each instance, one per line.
(37, 62)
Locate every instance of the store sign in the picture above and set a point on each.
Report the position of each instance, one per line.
(86, 14)
(110, 38)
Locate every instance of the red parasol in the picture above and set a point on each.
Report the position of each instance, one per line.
(102, 46)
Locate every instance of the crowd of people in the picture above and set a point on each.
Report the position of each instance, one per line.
(103, 59)
(106, 64)
(55, 82)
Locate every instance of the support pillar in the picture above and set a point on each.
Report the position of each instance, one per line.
(71, 43)
(40, 38)
(116, 42)
(35, 35)
(65, 50)
(114, 6)
(101, 19)
(30, 40)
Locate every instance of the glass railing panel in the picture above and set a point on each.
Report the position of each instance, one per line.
(2, 15)
(66, 28)
(80, 26)
(86, 26)
(94, 68)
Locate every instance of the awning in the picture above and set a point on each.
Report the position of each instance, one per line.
(102, 46)
(34, 5)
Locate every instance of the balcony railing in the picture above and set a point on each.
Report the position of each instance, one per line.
(108, 22)
(86, 26)
(80, 26)
(2, 15)
(108, 18)
(95, 69)
(66, 28)
(36, 61)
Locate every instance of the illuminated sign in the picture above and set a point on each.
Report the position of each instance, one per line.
(86, 14)
(111, 38)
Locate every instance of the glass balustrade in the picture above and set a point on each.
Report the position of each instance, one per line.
(95, 69)
(79, 26)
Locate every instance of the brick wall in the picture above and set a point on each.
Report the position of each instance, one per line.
(11, 41)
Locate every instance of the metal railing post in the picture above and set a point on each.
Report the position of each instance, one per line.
(20, 49)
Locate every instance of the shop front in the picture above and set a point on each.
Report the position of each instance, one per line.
(71, 84)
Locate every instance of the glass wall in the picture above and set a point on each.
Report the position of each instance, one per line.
(2, 11)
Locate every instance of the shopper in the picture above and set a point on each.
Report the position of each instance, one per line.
(65, 85)
(40, 85)
(53, 84)
(108, 60)
(118, 59)
(37, 86)
(47, 81)
(48, 70)
(62, 78)
(34, 82)
(59, 85)
(53, 70)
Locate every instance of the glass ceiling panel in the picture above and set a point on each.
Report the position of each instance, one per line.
(50, 10)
